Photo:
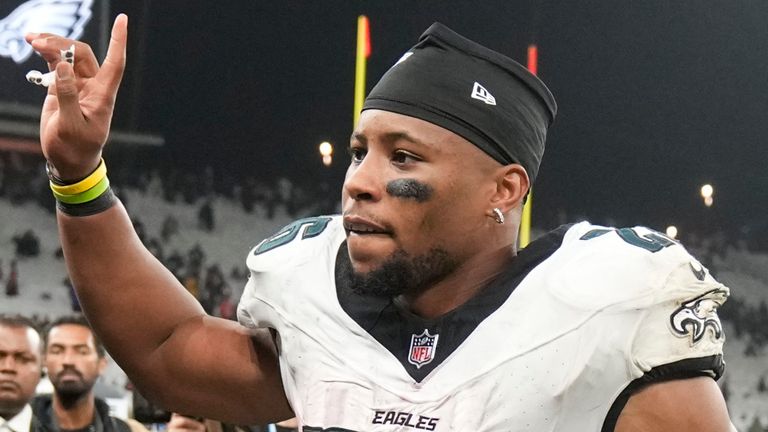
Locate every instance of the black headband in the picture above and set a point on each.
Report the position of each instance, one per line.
(477, 93)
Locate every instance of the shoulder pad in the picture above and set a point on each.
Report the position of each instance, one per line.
(294, 243)
(643, 273)
(598, 267)
(683, 322)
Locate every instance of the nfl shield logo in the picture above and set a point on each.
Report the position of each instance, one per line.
(423, 348)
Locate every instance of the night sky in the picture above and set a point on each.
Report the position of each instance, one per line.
(653, 101)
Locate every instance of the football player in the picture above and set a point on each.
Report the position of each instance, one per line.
(414, 310)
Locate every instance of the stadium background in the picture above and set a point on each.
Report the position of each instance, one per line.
(223, 106)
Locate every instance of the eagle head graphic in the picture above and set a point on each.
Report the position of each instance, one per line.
(65, 18)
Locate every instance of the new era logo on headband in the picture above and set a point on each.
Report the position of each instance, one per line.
(480, 93)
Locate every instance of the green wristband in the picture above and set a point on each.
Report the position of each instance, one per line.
(83, 197)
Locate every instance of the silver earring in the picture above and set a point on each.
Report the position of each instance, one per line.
(498, 216)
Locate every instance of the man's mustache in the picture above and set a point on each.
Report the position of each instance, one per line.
(9, 383)
(69, 370)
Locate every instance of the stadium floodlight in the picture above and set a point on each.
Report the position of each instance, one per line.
(672, 231)
(326, 151)
(326, 148)
(707, 192)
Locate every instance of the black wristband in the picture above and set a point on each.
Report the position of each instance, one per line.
(104, 202)
(58, 181)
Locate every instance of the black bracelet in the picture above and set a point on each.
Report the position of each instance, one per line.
(104, 202)
(58, 181)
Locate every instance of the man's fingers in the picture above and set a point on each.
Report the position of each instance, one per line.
(39, 35)
(112, 70)
(67, 95)
(46, 50)
(50, 47)
(86, 64)
(51, 103)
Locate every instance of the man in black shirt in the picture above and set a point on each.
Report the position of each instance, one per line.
(75, 359)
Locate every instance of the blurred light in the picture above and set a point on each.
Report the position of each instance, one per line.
(672, 231)
(327, 160)
(706, 192)
(533, 59)
(326, 149)
(365, 28)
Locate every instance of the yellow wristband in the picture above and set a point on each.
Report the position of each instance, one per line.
(84, 197)
(83, 185)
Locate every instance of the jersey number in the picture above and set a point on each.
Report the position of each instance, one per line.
(314, 226)
(653, 241)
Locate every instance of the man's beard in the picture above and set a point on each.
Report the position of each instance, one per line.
(10, 407)
(403, 274)
(69, 392)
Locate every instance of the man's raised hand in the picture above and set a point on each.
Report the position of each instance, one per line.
(77, 111)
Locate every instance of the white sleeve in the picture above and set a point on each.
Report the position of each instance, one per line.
(250, 303)
(286, 270)
(681, 334)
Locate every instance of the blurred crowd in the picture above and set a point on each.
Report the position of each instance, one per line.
(206, 282)
(21, 182)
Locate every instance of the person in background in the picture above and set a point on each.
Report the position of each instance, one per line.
(12, 284)
(74, 359)
(20, 372)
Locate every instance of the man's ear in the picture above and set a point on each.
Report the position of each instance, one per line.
(512, 186)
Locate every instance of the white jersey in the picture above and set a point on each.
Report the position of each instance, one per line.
(584, 316)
